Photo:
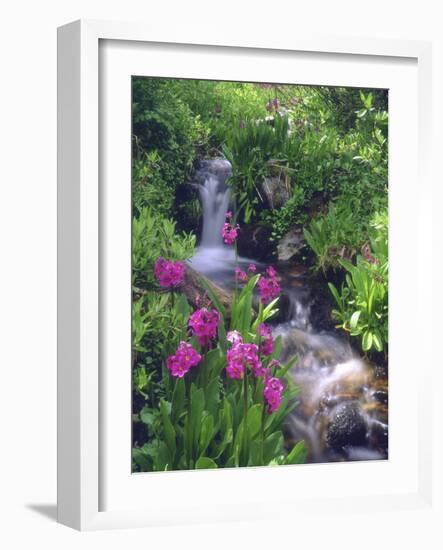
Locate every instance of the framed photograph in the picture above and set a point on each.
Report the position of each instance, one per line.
(235, 223)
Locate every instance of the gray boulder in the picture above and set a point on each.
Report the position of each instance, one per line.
(291, 244)
(276, 191)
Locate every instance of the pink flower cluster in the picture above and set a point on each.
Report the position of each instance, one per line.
(240, 276)
(204, 324)
(269, 287)
(267, 341)
(273, 394)
(242, 356)
(229, 231)
(169, 273)
(183, 359)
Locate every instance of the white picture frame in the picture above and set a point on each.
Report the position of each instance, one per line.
(81, 413)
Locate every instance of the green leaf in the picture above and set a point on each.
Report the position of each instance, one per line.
(354, 319)
(377, 340)
(254, 420)
(367, 340)
(206, 433)
(205, 463)
(334, 293)
(178, 399)
(197, 407)
(142, 460)
(147, 416)
(298, 454)
(272, 446)
(168, 429)
(213, 397)
(213, 298)
(182, 305)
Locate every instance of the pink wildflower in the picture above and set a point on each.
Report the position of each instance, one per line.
(169, 273)
(274, 363)
(240, 275)
(268, 288)
(273, 394)
(234, 337)
(267, 343)
(184, 358)
(229, 232)
(242, 356)
(271, 272)
(228, 215)
(252, 268)
(204, 323)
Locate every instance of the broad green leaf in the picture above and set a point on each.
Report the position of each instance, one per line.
(197, 407)
(168, 429)
(178, 399)
(254, 420)
(143, 461)
(367, 340)
(206, 433)
(204, 463)
(147, 416)
(298, 454)
(354, 319)
(272, 446)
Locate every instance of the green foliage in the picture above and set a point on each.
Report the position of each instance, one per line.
(162, 122)
(250, 148)
(205, 420)
(154, 236)
(292, 213)
(149, 189)
(363, 299)
(335, 236)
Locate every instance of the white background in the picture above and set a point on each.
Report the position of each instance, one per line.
(28, 269)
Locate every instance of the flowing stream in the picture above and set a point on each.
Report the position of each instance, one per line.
(342, 411)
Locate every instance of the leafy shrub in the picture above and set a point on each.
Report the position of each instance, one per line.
(291, 214)
(363, 299)
(162, 122)
(149, 189)
(335, 236)
(158, 318)
(254, 149)
(154, 236)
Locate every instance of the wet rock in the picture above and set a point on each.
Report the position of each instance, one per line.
(379, 434)
(276, 191)
(291, 244)
(254, 242)
(347, 428)
(284, 306)
(381, 396)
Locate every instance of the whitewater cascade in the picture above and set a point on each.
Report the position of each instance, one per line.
(342, 412)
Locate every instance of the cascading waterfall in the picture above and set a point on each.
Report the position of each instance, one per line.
(213, 258)
(342, 411)
(214, 194)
